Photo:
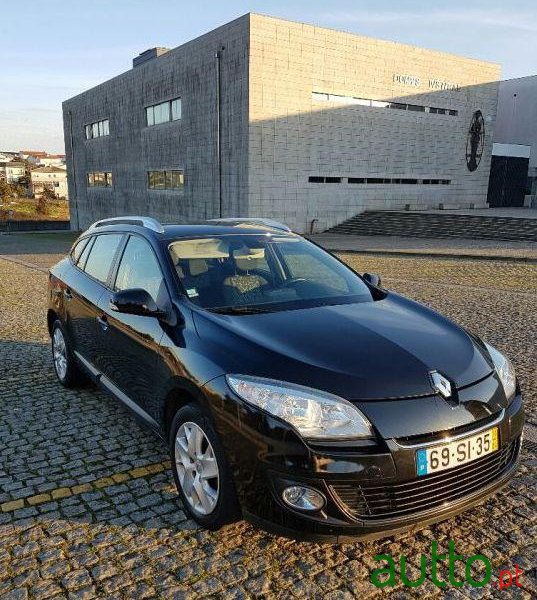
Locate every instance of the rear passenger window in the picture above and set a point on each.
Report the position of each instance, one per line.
(101, 255)
(77, 250)
(84, 254)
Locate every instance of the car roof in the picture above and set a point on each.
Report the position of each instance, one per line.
(172, 231)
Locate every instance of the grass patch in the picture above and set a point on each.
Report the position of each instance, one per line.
(25, 209)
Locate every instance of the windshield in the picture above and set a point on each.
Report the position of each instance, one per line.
(261, 272)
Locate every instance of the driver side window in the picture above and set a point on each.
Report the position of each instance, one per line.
(139, 268)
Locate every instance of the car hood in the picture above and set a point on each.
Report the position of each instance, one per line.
(373, 350)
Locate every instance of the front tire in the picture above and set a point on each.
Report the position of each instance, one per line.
(200, 470)
(65, 367)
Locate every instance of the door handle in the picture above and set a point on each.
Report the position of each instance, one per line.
(103, 322)
(67, 293)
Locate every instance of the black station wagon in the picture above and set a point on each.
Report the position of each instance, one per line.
(292, 391)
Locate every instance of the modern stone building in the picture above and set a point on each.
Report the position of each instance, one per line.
(265, 117)
(514, 170)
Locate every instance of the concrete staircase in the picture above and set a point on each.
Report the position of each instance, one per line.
(438, 225)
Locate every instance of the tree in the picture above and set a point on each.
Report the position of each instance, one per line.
(48, 193)
(5, 190)
(42, 202)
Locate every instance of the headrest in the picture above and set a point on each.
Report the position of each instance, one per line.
(197, 266)
(248, 258)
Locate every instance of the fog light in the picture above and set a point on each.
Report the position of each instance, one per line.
(303, 498)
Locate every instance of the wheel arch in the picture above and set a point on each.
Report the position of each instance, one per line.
(181, 393)
(52, 316)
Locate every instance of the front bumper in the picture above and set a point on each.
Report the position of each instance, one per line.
(371, 491)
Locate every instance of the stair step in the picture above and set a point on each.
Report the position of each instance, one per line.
(420, 224)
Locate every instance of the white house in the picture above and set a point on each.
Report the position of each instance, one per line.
(53, 178)
(12, 171)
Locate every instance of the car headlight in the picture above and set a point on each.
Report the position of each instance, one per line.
(505, 370)
(315, 414)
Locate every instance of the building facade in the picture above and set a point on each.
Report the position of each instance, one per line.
(514, 168)
(12, 171)
(52, 178)
(271, 118)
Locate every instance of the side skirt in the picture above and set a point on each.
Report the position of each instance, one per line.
(112, 389)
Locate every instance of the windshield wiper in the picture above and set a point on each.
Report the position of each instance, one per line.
(239, 310)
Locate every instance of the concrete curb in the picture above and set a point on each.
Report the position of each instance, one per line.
(457, 256)
(24, 263)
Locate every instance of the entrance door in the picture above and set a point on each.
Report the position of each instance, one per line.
(508, 181)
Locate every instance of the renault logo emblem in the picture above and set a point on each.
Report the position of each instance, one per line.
(440, 384)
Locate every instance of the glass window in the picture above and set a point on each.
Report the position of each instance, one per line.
(88, 132)
(101, 256)
(106, 127)
(177, 180)
(302, 263)
(139, 268)
(91, 179)
(150, 115)
(83, 257)
(162, 113)
(168, 176)
(275, 272)
(108, 179)
(95, 130)
(315, 179)
(171, 110)
(100, 126)
(159, 180)
(77, 250)
(176, 109)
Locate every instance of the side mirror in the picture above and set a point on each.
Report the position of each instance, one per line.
(373, 279)
(135, 301)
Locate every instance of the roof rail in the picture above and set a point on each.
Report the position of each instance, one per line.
(238, 220)
(148, 222)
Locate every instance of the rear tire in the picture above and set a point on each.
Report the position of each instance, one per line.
(67, 370)
(200, 470)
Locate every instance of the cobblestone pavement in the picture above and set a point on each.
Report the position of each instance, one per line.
(88, 507)
(413, 245)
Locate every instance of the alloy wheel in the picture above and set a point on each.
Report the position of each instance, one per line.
(59, 353)
(197, 468)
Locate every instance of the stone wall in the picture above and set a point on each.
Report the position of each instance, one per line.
(132, 149)
(293, 136)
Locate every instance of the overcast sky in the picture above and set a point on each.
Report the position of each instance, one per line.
(52, 50)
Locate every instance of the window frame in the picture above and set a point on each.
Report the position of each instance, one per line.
(150, 110)
(102, 127)
(84, 241)
(107, 178)
(153, 174)
(120, 245)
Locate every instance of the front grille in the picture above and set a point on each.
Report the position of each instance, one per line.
(376, 502)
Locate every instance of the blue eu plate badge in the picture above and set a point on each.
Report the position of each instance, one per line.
(421, 460)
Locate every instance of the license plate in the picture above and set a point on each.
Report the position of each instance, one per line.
(456, 453)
